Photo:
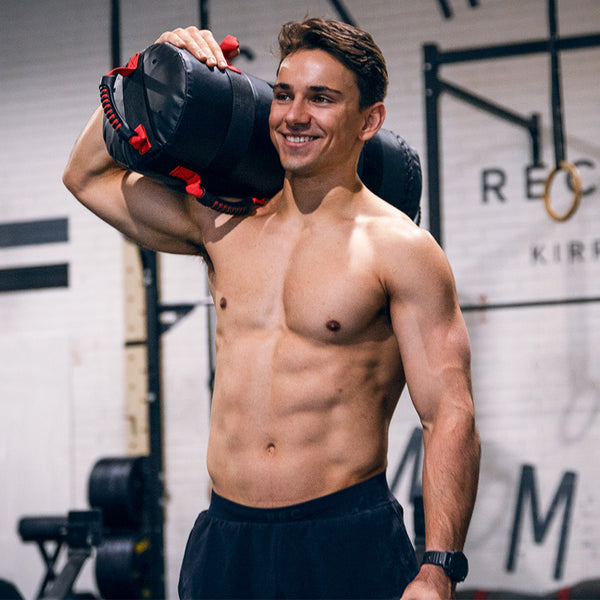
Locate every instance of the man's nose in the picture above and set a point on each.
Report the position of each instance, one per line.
(297, 113)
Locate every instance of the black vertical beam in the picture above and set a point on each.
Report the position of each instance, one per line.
(432, 91)
(156, 475)
(203, 9)
(211, 328)
(115, 33)
(555, 83)
(534, 132)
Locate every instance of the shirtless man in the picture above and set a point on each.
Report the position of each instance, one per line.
(328, 302)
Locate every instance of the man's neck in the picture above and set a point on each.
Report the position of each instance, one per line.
(311, 194)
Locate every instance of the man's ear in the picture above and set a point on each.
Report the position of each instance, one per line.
(374, 116)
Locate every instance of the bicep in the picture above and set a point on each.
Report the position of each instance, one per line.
(144, 210)
(431, 334)
(159, 217)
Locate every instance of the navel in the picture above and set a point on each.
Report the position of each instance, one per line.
(223, 302)
(333, 325)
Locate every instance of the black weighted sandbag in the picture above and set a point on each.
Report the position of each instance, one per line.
(175, 119)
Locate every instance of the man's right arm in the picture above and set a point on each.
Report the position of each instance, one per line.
(144, 210)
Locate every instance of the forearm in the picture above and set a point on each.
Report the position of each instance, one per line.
(89, 158)
(450, 477)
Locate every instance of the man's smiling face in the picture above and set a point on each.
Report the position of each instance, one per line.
(315, 119)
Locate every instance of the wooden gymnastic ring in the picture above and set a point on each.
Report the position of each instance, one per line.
(577, 191)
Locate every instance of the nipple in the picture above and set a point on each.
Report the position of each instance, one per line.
(333, 325)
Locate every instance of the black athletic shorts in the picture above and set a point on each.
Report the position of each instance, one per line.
(350, 544)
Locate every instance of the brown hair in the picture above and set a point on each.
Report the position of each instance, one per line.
(353, 47)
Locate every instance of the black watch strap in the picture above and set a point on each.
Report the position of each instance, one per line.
(455, 564)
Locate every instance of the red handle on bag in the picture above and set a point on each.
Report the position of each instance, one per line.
(107, 97)
(136, 137)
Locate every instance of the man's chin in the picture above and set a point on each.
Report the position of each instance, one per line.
(295, 167)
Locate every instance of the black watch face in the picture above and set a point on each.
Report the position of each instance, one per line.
(458, 567)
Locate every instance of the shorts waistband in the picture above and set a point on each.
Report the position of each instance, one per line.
(351, 500)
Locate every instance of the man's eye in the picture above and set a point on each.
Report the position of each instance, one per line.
(321, 99)
(282, 96)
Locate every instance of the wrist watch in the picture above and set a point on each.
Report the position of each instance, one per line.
(455, 564)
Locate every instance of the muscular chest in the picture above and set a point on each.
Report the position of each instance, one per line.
(315, 282)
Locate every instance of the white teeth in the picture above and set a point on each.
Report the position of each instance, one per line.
(298, 138)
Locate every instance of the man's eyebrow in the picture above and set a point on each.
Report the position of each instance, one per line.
(318, 89)
(323, 88)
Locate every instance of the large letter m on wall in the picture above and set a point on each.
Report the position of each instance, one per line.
(541, 524)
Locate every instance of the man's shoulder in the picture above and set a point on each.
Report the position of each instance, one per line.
(389, 227)
(404, 251)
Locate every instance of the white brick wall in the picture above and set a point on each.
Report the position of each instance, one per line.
(535, 369)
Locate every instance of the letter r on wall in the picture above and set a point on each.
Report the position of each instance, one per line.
(492, 180)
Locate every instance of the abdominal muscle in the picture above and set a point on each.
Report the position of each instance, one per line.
(293, 419)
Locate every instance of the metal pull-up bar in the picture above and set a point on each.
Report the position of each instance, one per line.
(434, 86)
